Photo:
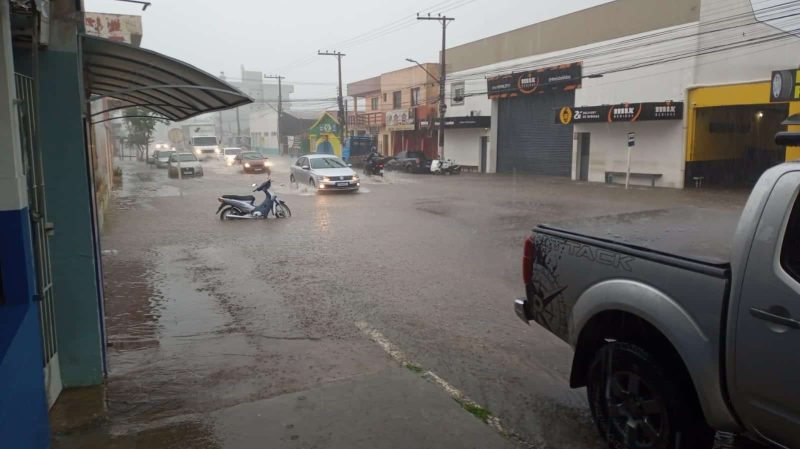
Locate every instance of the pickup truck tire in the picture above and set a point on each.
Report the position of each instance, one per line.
(637, 403)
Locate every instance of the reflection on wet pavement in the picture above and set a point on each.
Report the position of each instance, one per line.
(212, 323)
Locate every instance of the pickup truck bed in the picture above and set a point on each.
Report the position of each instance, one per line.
(697, 234)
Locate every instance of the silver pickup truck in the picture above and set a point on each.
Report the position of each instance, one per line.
(683, 321)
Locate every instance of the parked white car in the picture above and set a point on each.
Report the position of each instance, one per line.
(324, 172)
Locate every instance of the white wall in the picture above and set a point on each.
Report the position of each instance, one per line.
(476, 99)
(13, 185)
(659, 150)
(751, 63)
(660, 82)
(464, 145)
(262, 126)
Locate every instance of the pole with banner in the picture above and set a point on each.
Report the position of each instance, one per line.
(631, 144)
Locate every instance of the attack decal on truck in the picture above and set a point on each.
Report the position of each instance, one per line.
(601, 256)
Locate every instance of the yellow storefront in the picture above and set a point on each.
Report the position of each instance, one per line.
(730, 134)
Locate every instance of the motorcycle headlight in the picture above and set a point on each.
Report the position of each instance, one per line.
(247, 165)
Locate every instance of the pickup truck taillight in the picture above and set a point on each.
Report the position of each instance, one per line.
(527, 260)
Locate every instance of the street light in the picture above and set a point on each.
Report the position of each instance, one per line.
(436, 78)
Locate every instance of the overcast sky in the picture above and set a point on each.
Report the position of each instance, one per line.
(283, 36)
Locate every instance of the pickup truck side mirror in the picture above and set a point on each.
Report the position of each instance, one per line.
(787, 138)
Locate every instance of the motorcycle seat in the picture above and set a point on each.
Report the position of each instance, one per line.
(249, 198)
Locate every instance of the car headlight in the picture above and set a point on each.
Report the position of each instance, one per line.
(247, 165)
(197, 150)
(326, 179)
(216, 150)
(355, 176)
(267, 164)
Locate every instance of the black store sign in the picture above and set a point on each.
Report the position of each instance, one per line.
(627, 112)
(563, 77)
(470, 121)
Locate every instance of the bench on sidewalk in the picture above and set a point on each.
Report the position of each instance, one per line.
(610, 175)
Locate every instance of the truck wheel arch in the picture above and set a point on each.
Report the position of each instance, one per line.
(615, 310)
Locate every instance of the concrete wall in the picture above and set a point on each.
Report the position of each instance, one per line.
(23, 401)
(405, 79)
(752, 63)
(262, 125)
(464, 145)
(604, 22)
(664, 81)
(70, 203)
(102, 152)
(660, 144)
(659, 149)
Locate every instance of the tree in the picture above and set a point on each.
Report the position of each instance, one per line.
(140, 123)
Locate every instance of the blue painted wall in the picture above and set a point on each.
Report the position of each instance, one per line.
(23, 402)
(69, 207)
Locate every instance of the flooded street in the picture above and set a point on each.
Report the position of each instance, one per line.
(334, 328)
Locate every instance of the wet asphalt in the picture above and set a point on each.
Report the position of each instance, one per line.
(244, 334)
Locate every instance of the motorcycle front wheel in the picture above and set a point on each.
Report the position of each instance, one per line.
(282, 211)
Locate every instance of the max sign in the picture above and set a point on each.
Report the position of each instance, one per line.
(625, 112)
(564, 77)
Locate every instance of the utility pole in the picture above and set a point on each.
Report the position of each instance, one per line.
(238, 124)
(340, 101)
(280, 110)
(442, 77)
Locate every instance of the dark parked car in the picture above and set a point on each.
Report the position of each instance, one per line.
(410, 162)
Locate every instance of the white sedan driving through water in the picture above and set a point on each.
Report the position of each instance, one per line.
(324, 172)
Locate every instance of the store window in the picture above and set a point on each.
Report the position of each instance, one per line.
(374, 103)
(457, 94)
(397, 99)
(415, 96)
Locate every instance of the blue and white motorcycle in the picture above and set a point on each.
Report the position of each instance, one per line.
(243, 207)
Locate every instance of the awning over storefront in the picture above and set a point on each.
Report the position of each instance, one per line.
(166, 86)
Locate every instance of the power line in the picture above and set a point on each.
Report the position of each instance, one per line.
(635, 44)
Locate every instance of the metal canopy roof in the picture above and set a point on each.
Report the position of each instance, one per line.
(164, 85)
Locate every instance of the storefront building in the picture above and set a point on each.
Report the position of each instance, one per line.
(527, 139)
(677, 76)
(52, 334)
(467, 140)
(395, 104)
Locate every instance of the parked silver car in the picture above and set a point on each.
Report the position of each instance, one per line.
(188, 165)
(161, 158)
(324, 172)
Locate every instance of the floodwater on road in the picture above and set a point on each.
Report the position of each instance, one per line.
(244, 333)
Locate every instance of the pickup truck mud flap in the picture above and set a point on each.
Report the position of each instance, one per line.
(522, 309)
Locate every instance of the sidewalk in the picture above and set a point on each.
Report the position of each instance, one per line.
(395, 408)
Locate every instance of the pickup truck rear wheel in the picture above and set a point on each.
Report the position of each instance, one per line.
(637, 403)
